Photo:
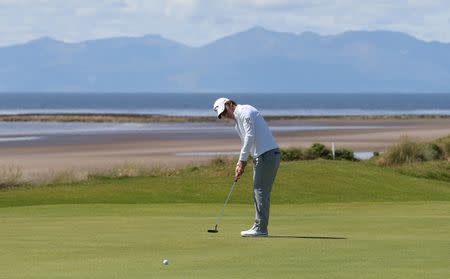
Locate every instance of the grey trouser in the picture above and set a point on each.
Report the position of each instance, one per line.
(265, 169)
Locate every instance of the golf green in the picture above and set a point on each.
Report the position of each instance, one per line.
(328, 240)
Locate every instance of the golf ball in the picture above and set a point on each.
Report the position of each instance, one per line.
(165, 262)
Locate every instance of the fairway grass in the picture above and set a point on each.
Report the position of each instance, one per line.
(379, 240)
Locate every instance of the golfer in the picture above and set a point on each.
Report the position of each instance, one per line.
(257, 141)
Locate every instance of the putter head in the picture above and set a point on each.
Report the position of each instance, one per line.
(214, 230)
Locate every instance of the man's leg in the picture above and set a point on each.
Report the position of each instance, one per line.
(264, 172)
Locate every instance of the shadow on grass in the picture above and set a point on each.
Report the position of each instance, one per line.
(306, 237)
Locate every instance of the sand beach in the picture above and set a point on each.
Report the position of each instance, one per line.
(37, 153)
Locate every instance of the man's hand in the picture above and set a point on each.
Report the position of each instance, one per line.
(240, 167)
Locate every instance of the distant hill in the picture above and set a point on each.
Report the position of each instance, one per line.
(256, 60)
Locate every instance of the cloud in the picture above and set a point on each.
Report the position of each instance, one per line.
(197, 22)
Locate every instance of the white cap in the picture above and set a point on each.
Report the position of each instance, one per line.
(219, 106)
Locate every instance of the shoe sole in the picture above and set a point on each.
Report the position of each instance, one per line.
(257, 235)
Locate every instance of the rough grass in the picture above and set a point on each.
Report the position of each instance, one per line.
(438, 170)
(320, 181)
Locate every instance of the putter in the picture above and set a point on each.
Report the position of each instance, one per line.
(219, 218)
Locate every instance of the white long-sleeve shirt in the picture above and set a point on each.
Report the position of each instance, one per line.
(256, 138)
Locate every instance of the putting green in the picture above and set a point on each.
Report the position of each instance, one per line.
(382, 240)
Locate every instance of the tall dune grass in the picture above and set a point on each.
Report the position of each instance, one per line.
(444, 144)
(11, 176)
(410, 151)
(132, 169)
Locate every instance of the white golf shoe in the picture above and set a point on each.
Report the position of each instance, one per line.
(254, 232)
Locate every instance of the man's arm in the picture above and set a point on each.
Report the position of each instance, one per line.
(248, 136)
(248, 139)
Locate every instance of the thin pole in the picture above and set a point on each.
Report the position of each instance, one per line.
(333, 150)
(219, 218)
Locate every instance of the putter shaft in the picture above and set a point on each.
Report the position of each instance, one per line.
(219, 218)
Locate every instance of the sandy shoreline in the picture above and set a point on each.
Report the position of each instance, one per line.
(54, 153)
(152, 118)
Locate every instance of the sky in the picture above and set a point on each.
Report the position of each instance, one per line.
(197, 22)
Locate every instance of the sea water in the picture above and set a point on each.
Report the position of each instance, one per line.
(191, 104)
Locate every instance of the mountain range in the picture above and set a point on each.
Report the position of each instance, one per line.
(255, 60)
